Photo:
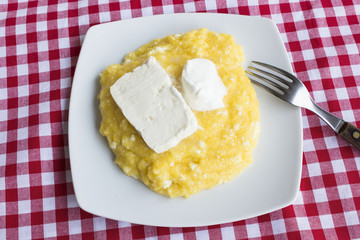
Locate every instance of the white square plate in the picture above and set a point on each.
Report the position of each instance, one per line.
(270, 183)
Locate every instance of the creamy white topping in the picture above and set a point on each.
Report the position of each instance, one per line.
(203, 89)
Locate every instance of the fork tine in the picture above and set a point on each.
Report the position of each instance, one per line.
(272, 91)
(274, 84)
(276, 69)
(281, 80)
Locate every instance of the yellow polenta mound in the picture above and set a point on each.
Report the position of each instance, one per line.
(214, 154)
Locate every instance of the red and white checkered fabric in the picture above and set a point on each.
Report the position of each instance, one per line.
(39, 45)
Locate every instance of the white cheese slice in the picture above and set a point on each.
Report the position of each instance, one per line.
(153, 106)
(203, 89)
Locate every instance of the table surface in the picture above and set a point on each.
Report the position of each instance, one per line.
(39, 47)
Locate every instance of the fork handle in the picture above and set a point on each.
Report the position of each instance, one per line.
(350, 133)
(346, 130)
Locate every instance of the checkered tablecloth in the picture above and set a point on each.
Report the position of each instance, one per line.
(39, 45)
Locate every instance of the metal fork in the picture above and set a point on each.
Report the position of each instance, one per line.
(289, 88)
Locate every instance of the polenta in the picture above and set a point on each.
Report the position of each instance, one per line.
(222, 146)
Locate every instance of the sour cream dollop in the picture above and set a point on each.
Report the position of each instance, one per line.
(203, 88)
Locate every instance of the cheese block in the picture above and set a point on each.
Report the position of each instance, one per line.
(153, 106)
